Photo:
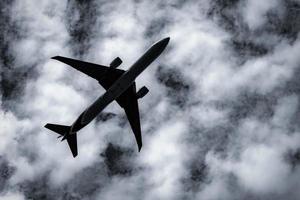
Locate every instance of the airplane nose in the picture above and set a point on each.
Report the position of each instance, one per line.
(166, 40)
(163, 43)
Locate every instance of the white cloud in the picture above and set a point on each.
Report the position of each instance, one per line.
(262, 170)
(254, 149)
(12, 196)
(255, 11)
(164, 157)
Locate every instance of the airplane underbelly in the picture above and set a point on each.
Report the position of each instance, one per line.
(109, 96)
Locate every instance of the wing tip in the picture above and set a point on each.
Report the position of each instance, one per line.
(139, 147)
(48, 126)
(55, 57)
(75, 154)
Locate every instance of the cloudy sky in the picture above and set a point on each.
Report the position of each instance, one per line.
(221, 120)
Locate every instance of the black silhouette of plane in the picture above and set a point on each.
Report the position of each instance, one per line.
(119, 85)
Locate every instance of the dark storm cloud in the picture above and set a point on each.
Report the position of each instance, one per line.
(178, 90)
(220, 121)
(118, 160)
(282, 20)
(6, 172)
(81, 24)
(13, 78)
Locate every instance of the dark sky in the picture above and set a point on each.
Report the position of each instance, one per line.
(221, 120)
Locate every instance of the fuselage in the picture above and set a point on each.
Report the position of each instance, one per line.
(120, 86)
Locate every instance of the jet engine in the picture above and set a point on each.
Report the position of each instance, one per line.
(115, 63)
(142, 92)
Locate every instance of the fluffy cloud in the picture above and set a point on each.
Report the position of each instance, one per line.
(12, 196)
(220, 121)
(255, 12)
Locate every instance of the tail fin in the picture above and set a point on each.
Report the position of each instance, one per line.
(64, 131)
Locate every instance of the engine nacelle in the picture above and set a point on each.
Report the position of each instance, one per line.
(115, 63)
(142, 92)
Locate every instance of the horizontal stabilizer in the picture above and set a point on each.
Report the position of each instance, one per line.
(60, 129)
(64, 131)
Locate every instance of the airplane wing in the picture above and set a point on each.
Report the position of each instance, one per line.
(129, 102)
(98, 72)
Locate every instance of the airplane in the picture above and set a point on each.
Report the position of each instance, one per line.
(120, 86)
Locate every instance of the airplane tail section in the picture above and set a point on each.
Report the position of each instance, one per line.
(64, 131)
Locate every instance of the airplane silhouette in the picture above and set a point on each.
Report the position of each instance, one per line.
(119, 85)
